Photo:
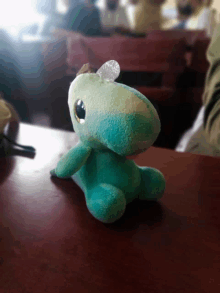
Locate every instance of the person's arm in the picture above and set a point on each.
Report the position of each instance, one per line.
(211, 97)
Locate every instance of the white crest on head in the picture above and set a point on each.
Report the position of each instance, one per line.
(109, 71)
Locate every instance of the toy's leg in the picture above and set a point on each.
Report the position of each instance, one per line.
(152, 184)
(106, 203)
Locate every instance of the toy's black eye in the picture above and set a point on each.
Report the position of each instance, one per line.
(80, 111)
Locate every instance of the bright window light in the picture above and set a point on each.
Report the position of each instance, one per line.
(17, 14)
(14, 12)
(61, 8)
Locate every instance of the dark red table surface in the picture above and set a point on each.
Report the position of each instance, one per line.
(50, 243)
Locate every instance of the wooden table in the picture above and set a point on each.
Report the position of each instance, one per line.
(49, 242)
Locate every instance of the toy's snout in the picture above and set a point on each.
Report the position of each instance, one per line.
(132, 132)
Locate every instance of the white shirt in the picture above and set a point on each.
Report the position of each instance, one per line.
(194, 141)
(112, 19)
(205, 20)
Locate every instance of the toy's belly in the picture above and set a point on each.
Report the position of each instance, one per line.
(109, 168)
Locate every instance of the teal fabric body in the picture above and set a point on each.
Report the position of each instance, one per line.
(120, 172)
(119, 122)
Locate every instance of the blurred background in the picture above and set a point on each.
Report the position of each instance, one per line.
(40, 56)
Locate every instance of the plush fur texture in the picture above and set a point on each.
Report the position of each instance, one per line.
(119, 121)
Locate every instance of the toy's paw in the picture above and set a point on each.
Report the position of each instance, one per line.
(53, 173)
(153, 184)
(106, 203)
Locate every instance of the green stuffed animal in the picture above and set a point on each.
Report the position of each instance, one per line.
(113, 122)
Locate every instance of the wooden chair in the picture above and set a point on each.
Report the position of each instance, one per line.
(56, 83)
(192, 90)
(136, 55)
(133, 53)
(189, 35)
(54, 56)
(198, 70)
(199, 61)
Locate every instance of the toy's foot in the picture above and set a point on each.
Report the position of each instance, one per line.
(153, 184)
(106, 203)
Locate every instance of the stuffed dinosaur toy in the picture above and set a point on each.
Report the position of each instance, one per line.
(113, 122)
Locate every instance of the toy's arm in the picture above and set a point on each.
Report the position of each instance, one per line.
(71, 162)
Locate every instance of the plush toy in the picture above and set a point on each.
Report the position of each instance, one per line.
(113, 122)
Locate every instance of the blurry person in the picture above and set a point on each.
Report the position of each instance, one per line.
(204, 137)
(202, 14)
(196, 15)
(147, 15)
(185, 11)
(114, 18)
(82, 17)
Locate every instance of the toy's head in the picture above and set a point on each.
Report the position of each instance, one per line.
(109, 115)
